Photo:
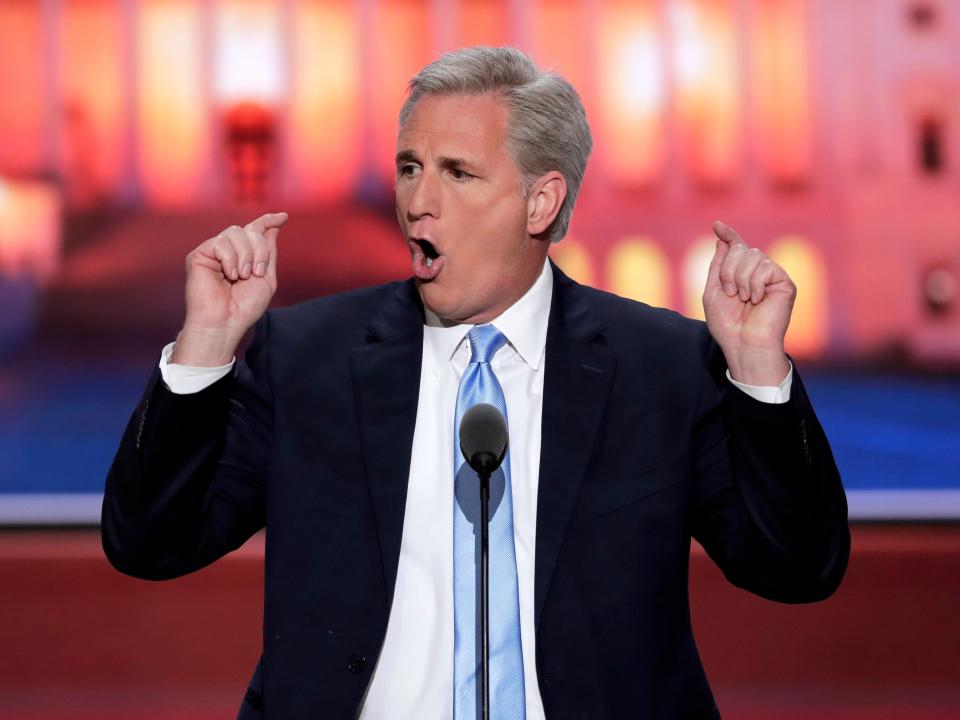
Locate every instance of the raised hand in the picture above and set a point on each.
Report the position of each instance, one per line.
(747, 302)
(231, 279)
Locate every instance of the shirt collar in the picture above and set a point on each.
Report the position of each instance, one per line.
(524, 324)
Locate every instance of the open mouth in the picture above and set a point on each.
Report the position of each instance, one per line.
(427, 261)
(429, 251)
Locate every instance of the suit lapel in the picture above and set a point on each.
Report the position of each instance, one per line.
(578, 373)
(386, 385)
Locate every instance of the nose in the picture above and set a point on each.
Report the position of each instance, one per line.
(424, 197)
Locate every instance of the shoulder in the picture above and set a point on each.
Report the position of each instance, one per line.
(631, 321)
(336, 319)
(650, 341)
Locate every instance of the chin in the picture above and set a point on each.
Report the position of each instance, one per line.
(434, 298)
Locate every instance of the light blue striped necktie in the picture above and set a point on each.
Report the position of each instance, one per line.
(480, 385)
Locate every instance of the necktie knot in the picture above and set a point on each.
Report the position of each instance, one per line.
(485, 340)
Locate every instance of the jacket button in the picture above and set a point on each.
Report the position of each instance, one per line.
(356, 663)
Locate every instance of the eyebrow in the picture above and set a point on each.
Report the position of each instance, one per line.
(405, 156)
(456, 163)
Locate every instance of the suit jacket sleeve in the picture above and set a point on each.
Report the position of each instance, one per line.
(769, 507)
(188, 482)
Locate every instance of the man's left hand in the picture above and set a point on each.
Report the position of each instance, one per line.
(747, 303)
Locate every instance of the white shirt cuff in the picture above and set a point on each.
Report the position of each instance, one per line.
(188, 379)
(768, 393)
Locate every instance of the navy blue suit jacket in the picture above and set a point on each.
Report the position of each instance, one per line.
(645, 444)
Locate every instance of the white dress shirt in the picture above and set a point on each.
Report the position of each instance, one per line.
(413, 678)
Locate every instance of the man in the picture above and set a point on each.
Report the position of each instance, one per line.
(631, 430)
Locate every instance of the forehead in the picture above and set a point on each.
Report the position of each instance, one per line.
(456, 122)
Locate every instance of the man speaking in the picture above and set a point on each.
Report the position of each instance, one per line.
(631, 430)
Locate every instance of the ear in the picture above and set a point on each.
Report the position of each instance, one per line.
(544, 201)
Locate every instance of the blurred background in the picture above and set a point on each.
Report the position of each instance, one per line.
(827, 132)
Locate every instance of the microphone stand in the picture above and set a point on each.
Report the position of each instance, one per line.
(483, 441)
(485, 590)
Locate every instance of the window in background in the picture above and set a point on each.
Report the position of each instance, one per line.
(638, 269)
(172, 115)
(930, 146)
(696, 264)
(707, 88)
(92, 112)
(397, 43)
(631, 92)
(324, 157)
(248, 64)
(574, 259)
(781, 92)
(810, 321)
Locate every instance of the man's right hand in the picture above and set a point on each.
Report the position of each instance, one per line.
(231, 279)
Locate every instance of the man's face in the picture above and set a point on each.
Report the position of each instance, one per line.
(460, 208)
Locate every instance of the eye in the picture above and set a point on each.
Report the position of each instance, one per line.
(408, 170)
(459, 175)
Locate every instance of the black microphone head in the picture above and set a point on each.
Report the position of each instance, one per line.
(483, 437)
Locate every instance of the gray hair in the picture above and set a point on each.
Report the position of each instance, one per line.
(548, 125)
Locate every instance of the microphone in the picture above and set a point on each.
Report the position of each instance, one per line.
(483, 438)
(483, 441)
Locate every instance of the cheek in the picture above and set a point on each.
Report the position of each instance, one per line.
(485, 232)
(497, 224)
(400, 204)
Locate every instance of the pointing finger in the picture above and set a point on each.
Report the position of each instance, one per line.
(268, 221)
(270, 235)
(719, 255)
(727, 234)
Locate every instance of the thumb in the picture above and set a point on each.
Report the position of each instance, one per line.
(271, 274)
(719, 255)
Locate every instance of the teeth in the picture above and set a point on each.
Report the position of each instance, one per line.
(429, 261)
